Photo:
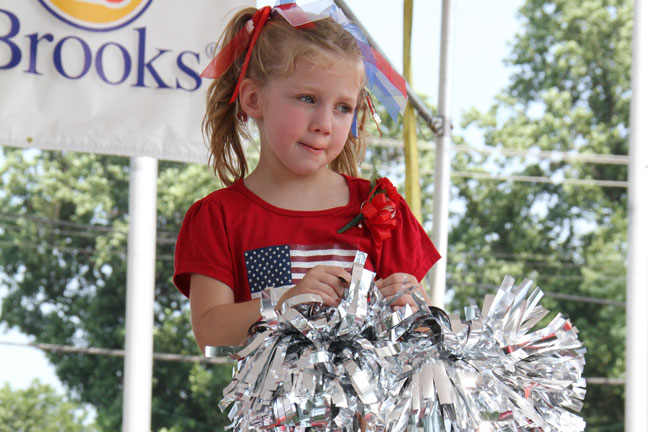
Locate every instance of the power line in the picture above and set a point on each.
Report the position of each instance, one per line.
(606, 381)
(55, 348)
(49, 220)
(555, 156)
(584, 299)
(74, 250)
(517, 178)
(552, 155)
(546, 264)
(542, 278)
(536, 179)
(82, 226)
(52, 247)
(55, 231)
(540, 263)
(597, 276)
(558, 296)
(565, 259)
(160, 240)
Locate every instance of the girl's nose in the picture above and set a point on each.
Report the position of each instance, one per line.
(321, 121)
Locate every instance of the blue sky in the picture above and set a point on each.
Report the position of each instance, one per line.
(483, 31)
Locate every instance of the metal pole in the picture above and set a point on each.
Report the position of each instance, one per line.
(636, 396)
(442, 164)
(140, 283)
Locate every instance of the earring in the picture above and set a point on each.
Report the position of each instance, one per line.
(240, 114)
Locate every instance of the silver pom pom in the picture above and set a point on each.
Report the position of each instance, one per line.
(318, 368)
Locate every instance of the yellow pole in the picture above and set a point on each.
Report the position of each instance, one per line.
(412, 179)
(412, 183)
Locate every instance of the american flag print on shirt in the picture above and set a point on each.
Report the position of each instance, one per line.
(285, 265)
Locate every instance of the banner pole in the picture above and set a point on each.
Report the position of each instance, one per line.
(140, 292)
(636, 396)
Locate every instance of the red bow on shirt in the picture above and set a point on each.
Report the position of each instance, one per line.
(379, 211)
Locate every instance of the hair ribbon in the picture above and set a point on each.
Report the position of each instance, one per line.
(382, 81)
(232, 50)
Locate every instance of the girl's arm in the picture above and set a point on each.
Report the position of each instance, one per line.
(215, 318)
(218, 321)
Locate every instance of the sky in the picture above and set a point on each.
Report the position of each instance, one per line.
(482, 34)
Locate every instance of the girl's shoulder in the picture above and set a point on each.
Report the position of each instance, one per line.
(219, 198)
(360, 185)
(226, 192)
(363, 188)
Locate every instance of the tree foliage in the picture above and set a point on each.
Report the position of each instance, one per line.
(569, 92)
(63, 264)
(40, 408)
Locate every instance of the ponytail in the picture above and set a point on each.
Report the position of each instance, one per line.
(221, 123)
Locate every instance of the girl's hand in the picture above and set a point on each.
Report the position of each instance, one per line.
(328, 282)
(397, 282)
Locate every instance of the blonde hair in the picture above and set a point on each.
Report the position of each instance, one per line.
(275, 55)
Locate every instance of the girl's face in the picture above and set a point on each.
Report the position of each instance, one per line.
(304, 118)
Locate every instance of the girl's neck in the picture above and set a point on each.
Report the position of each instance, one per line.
(322, 191)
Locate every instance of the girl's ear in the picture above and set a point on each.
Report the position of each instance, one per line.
(250, 98)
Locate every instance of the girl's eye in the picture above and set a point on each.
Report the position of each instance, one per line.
(345, 108)
(306, 98)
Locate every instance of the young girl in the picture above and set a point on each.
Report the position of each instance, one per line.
(301, 79)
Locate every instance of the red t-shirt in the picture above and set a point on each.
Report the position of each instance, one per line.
(235, 237)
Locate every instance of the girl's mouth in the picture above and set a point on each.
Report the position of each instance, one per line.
(311, 148)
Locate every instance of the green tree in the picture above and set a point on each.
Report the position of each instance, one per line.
(63, 226)
(40, 408)
(569, 92)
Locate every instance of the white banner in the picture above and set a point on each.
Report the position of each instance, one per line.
(108, 76)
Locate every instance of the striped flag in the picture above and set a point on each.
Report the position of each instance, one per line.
(285, 265)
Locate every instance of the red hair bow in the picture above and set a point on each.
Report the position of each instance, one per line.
(245, 39)
(235, 48)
